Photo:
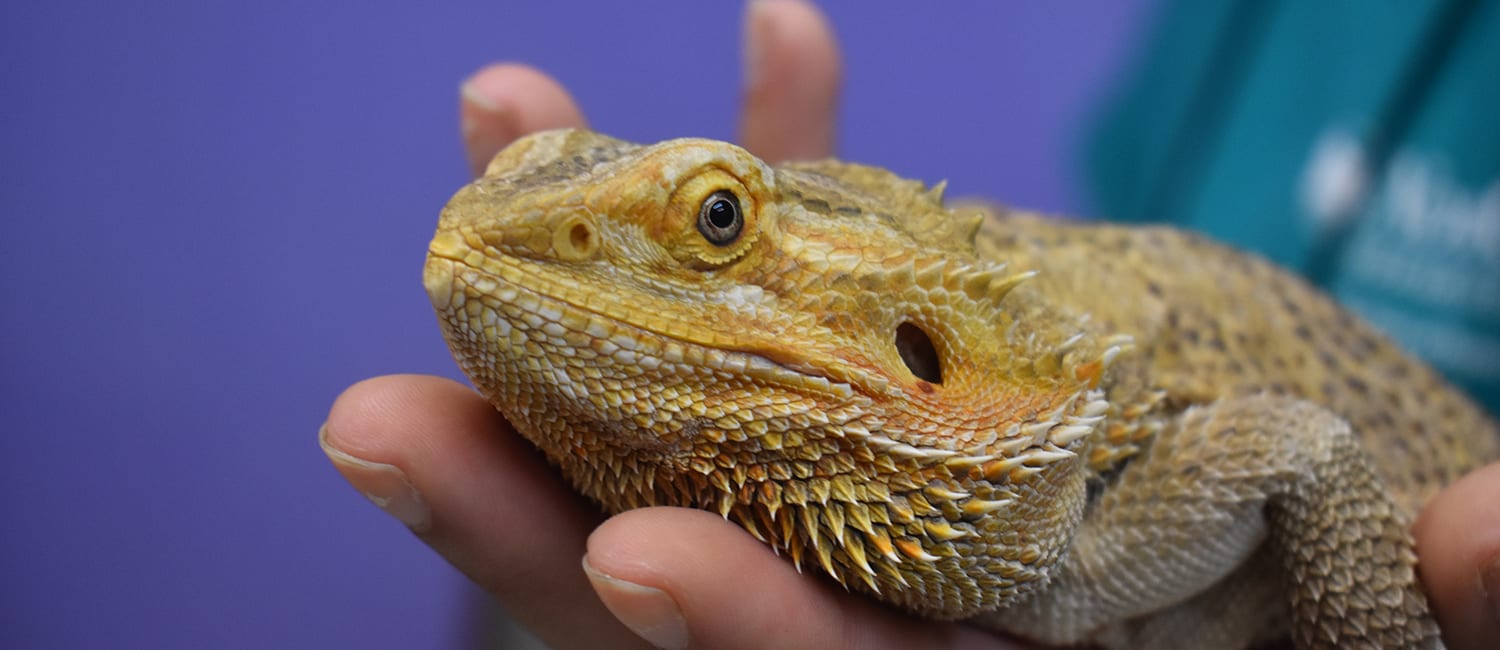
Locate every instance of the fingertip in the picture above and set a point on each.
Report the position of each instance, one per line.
(1458, 543)
(792, 73)
(649, 612)
(505, 101)
(383, 484)
(702, 565)
(374, 418)
(375, 433)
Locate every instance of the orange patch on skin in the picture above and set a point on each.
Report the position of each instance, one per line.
(1092, 371)
(910, 547)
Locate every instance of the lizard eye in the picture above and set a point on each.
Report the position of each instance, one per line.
(720, 219)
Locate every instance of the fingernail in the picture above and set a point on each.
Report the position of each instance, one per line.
(1489, 580)
(649, 612)
(758, 23)
(483, 122)
(475, 95)
(384, 485)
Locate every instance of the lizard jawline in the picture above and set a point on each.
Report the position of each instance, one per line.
(448, 277)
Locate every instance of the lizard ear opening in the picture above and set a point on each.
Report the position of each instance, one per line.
(918, 353)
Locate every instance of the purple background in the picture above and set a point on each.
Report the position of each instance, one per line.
(214, 220)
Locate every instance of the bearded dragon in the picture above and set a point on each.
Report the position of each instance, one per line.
(1071, 432)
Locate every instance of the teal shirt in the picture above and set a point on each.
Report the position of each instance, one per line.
(1356, 142)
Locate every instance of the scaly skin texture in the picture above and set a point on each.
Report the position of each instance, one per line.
(1071, 432)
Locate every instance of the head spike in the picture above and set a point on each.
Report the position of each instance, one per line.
(1001, 286)
(992, 284)
(970, 225)
(930, 273)
(977, 283)
(935, 193)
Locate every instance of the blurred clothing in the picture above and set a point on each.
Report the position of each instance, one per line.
(1356, 142)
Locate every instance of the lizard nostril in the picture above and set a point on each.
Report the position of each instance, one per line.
(918, 353)
(580, 236)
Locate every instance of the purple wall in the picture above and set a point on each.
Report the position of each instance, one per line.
(213, 219)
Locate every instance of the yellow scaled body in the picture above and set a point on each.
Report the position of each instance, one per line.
(1076, 433)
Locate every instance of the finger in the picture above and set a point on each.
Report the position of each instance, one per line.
(1458, 543)
(792, 76)
(438, 457)
(505, 101)
(688, 578)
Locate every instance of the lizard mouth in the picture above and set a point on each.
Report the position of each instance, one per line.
(520, 295)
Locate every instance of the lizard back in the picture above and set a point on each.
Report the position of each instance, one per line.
(1214, 322)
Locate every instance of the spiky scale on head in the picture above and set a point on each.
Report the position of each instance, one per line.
(829, 366)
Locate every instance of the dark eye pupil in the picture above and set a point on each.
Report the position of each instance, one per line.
(720, 219)
(721, 214)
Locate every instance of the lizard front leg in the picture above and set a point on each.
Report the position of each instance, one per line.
(1244, 482)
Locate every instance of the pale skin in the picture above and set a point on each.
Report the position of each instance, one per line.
(444, 462)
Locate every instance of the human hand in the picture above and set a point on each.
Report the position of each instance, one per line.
(439, 458)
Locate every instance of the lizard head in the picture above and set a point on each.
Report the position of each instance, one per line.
(812, 350)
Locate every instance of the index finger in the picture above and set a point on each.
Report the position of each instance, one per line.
(792, 77)
(504, 101)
